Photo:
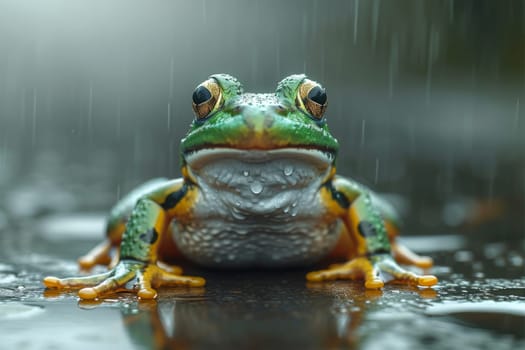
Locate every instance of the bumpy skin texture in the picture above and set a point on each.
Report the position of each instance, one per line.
(240, 192)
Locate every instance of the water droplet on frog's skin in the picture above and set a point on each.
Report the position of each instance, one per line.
(286, 210)
(245, 173)
(256, 187)
(294, 204)
(288, 170)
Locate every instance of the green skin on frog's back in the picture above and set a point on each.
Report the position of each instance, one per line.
(258, 189)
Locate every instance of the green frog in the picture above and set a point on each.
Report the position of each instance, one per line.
(258, 190)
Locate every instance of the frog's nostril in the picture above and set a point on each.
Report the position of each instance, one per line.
(249, 119)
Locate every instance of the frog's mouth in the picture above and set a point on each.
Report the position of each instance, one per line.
(314, 157)
(251, 171)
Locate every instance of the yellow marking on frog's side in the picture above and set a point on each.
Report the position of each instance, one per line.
(186, 175)
(183, 207)
(332, 206)
(352, 220)
(182, 211)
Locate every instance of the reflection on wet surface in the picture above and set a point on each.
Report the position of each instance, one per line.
(477, 304)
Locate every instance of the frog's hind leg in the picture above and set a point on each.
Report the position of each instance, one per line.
(76, 282)
(393, 223)
(106, 252)
(99, 255)
(138, 270)
(401, 253)
(370, 258)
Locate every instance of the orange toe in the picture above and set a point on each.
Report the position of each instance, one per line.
(147, 294)
(87, 293)
(427, 280)
(374, 284)
(51, 282)
(197, 282)
(314, 276)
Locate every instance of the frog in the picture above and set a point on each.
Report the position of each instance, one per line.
(258, 189)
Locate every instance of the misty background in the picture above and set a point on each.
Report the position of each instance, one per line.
(427, 99)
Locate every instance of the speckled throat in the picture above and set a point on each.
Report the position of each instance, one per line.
(258, 208)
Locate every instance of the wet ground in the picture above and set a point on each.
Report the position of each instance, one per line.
(478, 304)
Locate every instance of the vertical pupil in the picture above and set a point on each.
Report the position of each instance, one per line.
(200, 95)
(317, 95)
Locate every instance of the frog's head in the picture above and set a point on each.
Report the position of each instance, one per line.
(289, 123)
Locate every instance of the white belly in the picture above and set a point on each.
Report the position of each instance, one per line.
(220, 244)
(264, 211)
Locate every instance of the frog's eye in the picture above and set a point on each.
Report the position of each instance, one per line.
(207, 98)
(311, 98)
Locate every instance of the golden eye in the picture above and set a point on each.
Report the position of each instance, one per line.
(311, 97)
(207, 98)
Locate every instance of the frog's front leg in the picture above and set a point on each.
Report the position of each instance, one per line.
(107, 252)
(137, 270)
(371, 257)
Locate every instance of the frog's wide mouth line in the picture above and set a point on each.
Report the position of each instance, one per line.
(202, 157)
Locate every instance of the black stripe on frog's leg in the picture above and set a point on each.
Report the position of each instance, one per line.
(149, 236)
(338, 196)
(366, 229)
(174, 198)
(379, 252)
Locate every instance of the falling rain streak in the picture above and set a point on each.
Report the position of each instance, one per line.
(376, 174)
(33, 120)
(516, 115)
(376, 5)
(90, 113)
(393, 63)
(356, 19)
(432, 52)
(118, 118)
(169, 116)
(172, 77)
(363, 129)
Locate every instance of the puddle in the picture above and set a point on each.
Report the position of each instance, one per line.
(439, 243)
(501, 317)
(61, 325)
(5, 268)
(15, 310)
(7, 278)
(486, 307)
(434, 334)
